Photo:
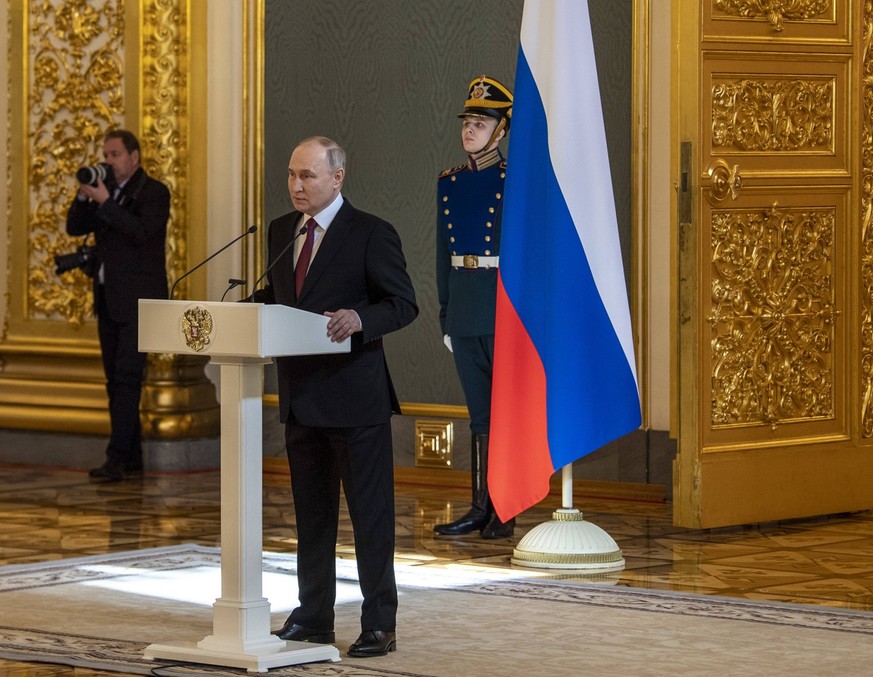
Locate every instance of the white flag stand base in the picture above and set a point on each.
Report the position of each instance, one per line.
(568, 541)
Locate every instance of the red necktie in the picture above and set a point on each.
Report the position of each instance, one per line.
(305, 256)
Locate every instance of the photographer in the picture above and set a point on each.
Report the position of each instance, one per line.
(128, 214)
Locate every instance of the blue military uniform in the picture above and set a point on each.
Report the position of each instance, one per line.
(469, 206)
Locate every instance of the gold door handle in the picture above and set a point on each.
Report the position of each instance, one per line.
(724, 180)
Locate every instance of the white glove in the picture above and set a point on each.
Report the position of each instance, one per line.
(448, 341)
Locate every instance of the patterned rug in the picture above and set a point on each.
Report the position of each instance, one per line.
(101, 612)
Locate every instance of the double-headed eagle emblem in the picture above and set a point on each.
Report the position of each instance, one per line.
(197, 326)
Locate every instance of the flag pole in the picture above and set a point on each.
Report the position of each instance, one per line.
(567, 486)
(567, 541)
(556, 400)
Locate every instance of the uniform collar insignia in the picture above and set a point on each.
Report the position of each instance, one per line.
(492, 157)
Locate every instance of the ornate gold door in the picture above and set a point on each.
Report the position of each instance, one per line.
(775, 260)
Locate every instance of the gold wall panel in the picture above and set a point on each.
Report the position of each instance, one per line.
(820, 21)
(777, 318)
(773, 316)
(865, 213)
(79, 54)
(74, 95)
(77, 69)
(767, 98)
(776, 13)
(771, 119)
(778, 115)
(164, 111)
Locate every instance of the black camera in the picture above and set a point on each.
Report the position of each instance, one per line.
(89, 175)
(84, 258)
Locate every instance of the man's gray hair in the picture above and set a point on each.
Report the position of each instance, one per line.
(336, 156)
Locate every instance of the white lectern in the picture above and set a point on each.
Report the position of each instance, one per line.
(241, 338)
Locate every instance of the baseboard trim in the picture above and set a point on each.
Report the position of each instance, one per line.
(276, 473)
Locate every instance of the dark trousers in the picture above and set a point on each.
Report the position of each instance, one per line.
(123, 366)
(362, 459)
(474, 360)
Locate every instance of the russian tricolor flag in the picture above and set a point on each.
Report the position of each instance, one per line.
(564, 374)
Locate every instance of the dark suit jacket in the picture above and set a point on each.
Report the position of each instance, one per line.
(130, 233)
(358, 265)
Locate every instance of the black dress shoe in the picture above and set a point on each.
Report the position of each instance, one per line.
(373, 643)
(291, 632)
(112, 471)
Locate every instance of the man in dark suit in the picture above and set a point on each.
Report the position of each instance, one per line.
(337, 408)
(129, 222)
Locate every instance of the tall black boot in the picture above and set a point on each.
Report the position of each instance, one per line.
(477, 516)
(495, 528)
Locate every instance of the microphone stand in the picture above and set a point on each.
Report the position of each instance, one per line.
(302, 231)
(251, 230)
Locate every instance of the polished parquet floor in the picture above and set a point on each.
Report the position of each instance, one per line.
(48, 514)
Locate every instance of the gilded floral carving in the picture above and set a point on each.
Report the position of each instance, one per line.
(74, 95)
(775, 11)
(866, 209)
(772, 316)
(164, 112)
(780, 115)
(76, 86)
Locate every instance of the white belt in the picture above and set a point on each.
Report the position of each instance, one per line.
(474, 261)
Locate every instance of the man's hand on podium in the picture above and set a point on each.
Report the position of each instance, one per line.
(343, 323)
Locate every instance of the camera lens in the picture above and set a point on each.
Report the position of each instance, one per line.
(84, 258)
(89, 175)
(67, 262)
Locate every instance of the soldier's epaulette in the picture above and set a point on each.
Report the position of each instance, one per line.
(453, 170)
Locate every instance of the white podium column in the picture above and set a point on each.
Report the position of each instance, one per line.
(241, 616)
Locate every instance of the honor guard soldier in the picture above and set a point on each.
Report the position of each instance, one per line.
(469, 203)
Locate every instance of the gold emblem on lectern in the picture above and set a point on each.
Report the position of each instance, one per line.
(197, 326)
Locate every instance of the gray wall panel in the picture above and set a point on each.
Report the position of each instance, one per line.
(386, 78)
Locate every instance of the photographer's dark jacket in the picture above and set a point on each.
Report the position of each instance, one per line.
(130, 232)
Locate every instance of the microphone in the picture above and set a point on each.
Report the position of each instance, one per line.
(231, 284)
(251, 230)
(288, 246)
